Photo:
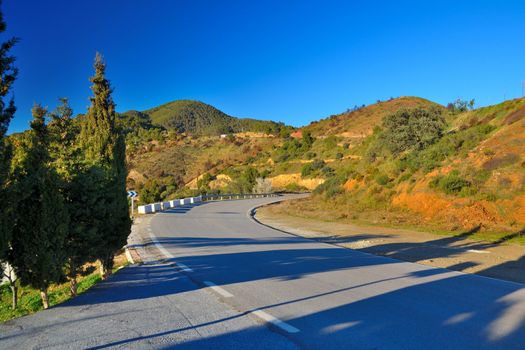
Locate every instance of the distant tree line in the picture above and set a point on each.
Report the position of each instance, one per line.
(62, 186)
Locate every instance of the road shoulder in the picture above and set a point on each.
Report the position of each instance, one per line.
(500, 261)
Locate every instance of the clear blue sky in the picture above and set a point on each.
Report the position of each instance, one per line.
(287, 60)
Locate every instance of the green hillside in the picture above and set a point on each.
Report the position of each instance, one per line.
(194, 117)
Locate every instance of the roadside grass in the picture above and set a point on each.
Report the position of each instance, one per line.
(307, 210)
(29, 300)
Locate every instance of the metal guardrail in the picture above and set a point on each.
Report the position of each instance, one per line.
(233, 196)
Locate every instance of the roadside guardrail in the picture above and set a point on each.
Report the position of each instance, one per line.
(157, 207)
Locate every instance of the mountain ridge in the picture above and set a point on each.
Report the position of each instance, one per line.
(199, 118)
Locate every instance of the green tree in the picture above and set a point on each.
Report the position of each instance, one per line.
(76, 182)
(105, 151)
(249, 178)
(150, 192)
(8, 74)
(308, 139)
(41, 221)
(412, 129)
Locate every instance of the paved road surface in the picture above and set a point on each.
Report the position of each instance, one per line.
(229, 282)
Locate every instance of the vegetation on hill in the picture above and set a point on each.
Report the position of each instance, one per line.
(406, 161)
(360, 121)
(468, 173)
(197, 118)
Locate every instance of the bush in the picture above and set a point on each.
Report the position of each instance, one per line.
(331, 187)
(310, 155)
(310, 168)
(412, 129)
(404, 177)
(382, 179)
(150, 192)
(451, 144)
(451, 184)
(327, 171)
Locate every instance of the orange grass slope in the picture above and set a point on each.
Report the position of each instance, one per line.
(499, 159)
(361, 122)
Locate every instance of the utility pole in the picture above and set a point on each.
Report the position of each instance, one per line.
(522, 87)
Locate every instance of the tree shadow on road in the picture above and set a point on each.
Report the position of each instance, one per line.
(353, 302)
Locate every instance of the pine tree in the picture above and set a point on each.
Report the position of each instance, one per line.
(8, 73)
(40, 226)
(105, 150)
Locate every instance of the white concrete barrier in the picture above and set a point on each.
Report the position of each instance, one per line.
(194, 200)
(156, 207)
(145, 209)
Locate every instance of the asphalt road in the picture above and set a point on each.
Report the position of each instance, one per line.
(229, 282)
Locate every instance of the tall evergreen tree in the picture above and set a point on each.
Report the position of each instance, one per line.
(69, 164)
(8, 73)
(105, 151)
(40, 227)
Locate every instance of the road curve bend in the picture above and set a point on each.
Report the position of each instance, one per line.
(217, 279)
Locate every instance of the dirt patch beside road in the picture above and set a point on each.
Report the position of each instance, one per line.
(459, 253)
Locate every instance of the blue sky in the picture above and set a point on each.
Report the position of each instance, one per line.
(286, 60)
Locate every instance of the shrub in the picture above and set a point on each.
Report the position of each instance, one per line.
(310, 168)
(451, 144)
(382, 179)
(451, 184)
(310, 155)
(331, 187)
(327, 171)
(339, 155)
(151, 192)
(404, 177)
(412, 129)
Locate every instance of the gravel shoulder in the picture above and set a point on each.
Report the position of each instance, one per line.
(459, 253)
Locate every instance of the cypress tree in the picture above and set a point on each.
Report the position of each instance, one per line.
(68, 162)
(41, 223)
(105, 151)
(8, 73)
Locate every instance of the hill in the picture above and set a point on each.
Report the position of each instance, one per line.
(194, 117)
(360, 121)
(469, 178)
(469, 175)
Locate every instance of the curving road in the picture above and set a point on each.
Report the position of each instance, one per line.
(215, 278)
